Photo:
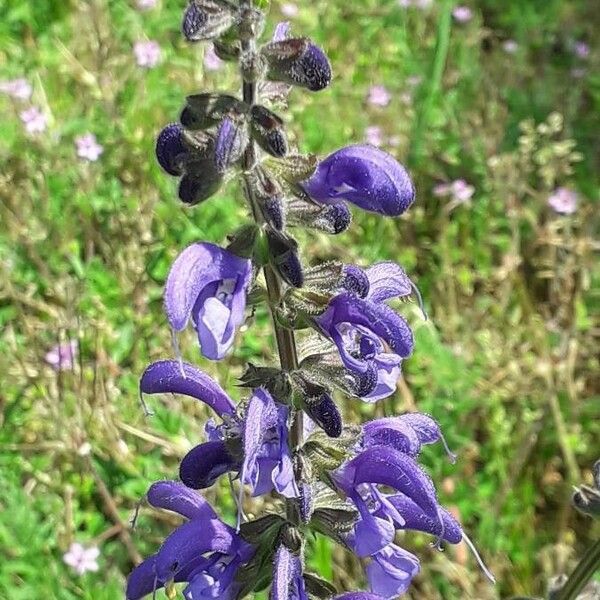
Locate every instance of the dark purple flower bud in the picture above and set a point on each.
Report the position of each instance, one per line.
(232, 139)
(269, 195)
(355, 280)
(415, 519)
(209, 285)
(268, 131)
(283, 252)
(171, 151)
(365, 176)
(176, 497)
(298, 62)
(206, 19)
(334, 219)
(205, 463)
(200, 184)
(173, 377)
(324, 412)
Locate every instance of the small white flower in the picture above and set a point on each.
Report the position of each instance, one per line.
(510, 46)
(82, 559)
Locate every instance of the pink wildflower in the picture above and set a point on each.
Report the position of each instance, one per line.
(563, 201)
(62, 356)
(147, 53)
(82, 559)
(88, 147)
(374, 135)
(379, 96)
(34, 119)
(462, 14)
(20, 88)
(211, 61)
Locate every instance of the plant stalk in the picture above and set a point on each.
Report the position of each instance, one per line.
(284, 337)
(583, 573)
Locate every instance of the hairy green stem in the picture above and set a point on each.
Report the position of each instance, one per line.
(583, 573)
(285, 339)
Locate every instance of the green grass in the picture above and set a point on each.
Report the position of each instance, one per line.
(507, 363)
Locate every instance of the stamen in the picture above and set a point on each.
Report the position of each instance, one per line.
(419, 300)
(452, 456)
(177, 352)
(147, 411)
(238, 499)
(133, 521)
(478, 558)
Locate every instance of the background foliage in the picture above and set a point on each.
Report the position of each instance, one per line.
(507, 363)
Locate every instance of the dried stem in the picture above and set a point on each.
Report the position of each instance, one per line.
(286, 343)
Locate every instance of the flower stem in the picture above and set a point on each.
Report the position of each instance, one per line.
(584, 571)
(285, 339)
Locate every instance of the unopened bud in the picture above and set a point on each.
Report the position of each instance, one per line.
(171, 151)
(298, 62)
(283, 253)
(232, 139)
(206, 19)
(268, 131)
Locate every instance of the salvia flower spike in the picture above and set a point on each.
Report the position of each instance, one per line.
(286, 436)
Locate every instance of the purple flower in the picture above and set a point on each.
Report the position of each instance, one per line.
(359, 328)
(208, 284)
(406, 433)
(82, 559)
(374, 135)
(462, 14)
(204, 552)
(211, 61)
(288, 583)
(147, 53)
(563, 201)
(174, 377)
(19, 89)
(254, 443)
(34, 119)
(88, 147)
(365, 176)
(62, 357)
(378, 96)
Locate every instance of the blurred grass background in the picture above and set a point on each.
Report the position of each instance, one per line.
(508, 362)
